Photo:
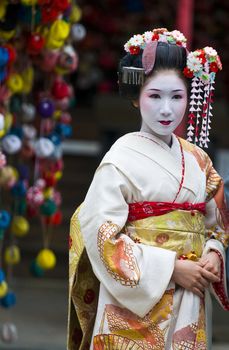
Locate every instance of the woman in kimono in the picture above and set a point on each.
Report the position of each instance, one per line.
(148, 243)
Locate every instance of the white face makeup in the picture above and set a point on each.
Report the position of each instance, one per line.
(162, 103)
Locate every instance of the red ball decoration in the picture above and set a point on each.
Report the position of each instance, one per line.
(56, 219)
(35, 43)
(11, 52)
(60, 89)
(49, 14)
(50, 180)
(61, 5)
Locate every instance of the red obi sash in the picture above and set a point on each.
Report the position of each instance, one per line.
(142, 210)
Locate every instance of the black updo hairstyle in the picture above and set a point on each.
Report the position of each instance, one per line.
(168, 56)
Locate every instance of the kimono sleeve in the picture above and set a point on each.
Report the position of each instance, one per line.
(128, 270)
(217, 229)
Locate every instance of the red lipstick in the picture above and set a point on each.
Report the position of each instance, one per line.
(165, 122)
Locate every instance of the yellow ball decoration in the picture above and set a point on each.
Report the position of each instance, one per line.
(7, 35)
(15, 83)
(2, 9)
(19, 226)
(8, 121)
(28, 78)
(46, 259)
(76, 14)
(29, 2)
(59, 31)
(3, 289)
(8, 175)
(12, 255)
(48, 193)
(58, 175)
(57, 114)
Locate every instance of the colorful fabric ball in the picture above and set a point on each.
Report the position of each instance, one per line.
(19, 189)
(36, 270)
(67, 61)
(49, 60)
(35, 196)
(60, 89)
(76, 14)
(8, 333)
(3, 289)
(15, 83)
(2, 275)
(8, 300)
(4, 219)
(12, 255)
(48, 208)
(8, 176)
(56, 219)
(28, 112)
(11, 144)
(44, 148)
(45, 108)
(35, 44)
(4, 56)
(78, 32)
(28, 78)
(29, 131)
(2, 160)
(20, 226)
(58, 33)
(46, 259)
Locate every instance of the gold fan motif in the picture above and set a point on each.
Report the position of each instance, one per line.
(114, 342)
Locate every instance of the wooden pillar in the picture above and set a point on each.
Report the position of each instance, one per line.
(184, 23)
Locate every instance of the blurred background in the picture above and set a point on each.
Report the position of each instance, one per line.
(99, 116)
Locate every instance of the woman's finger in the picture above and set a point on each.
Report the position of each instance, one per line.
(198, 292)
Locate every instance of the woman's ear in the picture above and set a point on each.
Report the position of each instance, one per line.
(135, 103)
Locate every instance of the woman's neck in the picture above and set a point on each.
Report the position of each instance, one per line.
(165, 138)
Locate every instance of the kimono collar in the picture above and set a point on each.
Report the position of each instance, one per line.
(167, 157)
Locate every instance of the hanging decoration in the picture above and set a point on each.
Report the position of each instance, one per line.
(37, 54)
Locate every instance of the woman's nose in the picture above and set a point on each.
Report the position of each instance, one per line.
(166, 108)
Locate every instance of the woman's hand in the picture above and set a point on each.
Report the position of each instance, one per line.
(211, 262)
(192, 276)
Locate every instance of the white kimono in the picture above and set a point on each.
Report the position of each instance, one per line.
(138, 305)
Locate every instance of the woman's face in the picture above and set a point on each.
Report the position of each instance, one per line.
(162, 103)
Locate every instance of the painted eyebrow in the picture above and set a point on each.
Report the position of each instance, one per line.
(160, 90)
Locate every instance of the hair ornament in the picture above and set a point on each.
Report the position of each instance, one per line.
(202, 66)
(133, 75)
(147, 43)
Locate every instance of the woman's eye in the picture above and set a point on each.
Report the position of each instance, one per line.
(177, 97)
(155, 96)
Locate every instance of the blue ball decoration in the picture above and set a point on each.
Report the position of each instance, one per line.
(4, 219)
(19, 189)
(64, 130)
(8, 300)
(4, 56)
(2, 276)
(45, 108)
(55, 138)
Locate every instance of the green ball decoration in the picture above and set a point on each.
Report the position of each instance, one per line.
(48, 208)
(36, 270)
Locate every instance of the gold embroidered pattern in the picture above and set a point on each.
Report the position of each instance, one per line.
(145, 331)
(213, 180)
(192, 337)
(117, 255)
(114, 341)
